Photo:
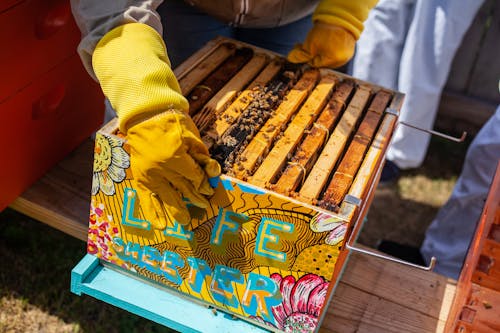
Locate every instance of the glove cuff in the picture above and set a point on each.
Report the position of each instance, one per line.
(145, 116)
(133, 68)
(348, 14)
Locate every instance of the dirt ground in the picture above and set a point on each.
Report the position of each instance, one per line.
(35, 260)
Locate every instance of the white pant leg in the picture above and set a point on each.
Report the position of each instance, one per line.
(449, 235)
(435, 33)
(379, 48)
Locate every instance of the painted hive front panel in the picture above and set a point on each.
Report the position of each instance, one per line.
(252, 253)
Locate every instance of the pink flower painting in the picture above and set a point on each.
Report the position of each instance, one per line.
(302, 302)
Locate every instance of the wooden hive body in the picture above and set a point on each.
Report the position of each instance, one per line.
(301, 150)
(476, 306)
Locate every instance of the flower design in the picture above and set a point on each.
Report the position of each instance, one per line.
(322, 222)
(302, 302)
(110, 163)
(101, 233)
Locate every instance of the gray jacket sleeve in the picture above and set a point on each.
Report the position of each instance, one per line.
(96, 17)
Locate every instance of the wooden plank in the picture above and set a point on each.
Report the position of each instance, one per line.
(465, 57)
(346, 171)
(480, 314)
(487, 272)
(285, 146)
(226, 95)
(244, 99)
(373, 157)
(263, 104)
(192, 61)
(484, 78)
(61, 198)
(317, 178)
(474, 269)
(149, 301)
(229, 115)
(203, 68)
(379, 316)
(260, 144)
(468, 109)
(398, 298)
(202, 92)
(308, 151)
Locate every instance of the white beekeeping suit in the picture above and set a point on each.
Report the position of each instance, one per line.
(409, 45)
(449, 235)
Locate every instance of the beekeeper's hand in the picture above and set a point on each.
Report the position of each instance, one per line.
(168, 159)
(337, 26)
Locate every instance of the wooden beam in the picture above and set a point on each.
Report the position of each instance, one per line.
(229, 116)
(466, 54)
(400, 299)
(346, 171)
(220, 101)
(331, 153)
(258, 148)
(285, 146)
(201, 93)
(486, 72)
(306, 155)
(188, 81)
(61, 198)
(473, 110)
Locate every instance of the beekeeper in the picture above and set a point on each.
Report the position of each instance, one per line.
(449, 235)
(122, 47)
(408, 46)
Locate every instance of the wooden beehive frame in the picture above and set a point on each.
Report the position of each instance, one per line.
(328, 124)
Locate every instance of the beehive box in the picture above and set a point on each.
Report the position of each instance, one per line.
(476, 306)
(301, 151)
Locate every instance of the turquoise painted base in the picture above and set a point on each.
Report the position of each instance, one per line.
(92, 278)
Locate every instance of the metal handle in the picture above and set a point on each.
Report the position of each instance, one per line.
(355, 232)
(452, 138)
(396, 113)
(53, 20)
(393, 259)
(49, 103)
(358, 223)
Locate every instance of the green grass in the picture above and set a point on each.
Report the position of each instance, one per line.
(35, 266)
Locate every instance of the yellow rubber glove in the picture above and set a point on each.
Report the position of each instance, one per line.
(337, 26)
(168, 158)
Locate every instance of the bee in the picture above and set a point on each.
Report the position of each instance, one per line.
(289, 75)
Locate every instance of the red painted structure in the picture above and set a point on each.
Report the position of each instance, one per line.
(48, 102)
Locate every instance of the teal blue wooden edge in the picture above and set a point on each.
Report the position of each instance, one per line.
(91, 278)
